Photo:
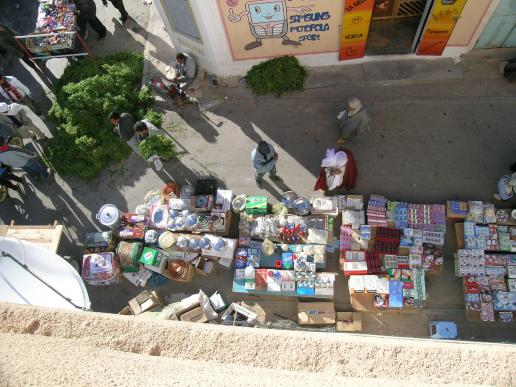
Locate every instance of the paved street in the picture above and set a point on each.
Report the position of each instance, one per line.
(440, 130)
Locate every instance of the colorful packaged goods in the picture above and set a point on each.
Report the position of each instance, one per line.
(96, 242)
(100, 269)
(128, 254)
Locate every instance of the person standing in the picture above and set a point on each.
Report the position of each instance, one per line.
(87, 14)
(352, 121)
(15, 157)
(16, 115)
(124, 127)
(118, 4)
(15, 91)
(264, 159)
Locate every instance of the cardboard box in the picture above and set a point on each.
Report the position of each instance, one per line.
(349, 322)
(126, 311)
(316, 313)
(203, 266)
(145, 301)
(195, 315)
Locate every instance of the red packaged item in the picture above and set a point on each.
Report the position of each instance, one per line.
(261, 279)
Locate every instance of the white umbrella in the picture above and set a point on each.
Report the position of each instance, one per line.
(30, 274)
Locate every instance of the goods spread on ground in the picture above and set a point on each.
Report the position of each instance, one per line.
(486, 259)
(386, 250)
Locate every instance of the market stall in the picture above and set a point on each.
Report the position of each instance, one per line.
(284, 253)
(173, 234)
(387, 249)
(55, 34)
(485, 259)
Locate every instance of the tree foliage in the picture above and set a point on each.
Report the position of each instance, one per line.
(276, 76)
(88, 90)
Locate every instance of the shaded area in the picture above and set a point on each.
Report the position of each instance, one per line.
(388, 37)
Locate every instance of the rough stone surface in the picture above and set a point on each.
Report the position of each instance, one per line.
(92, 346)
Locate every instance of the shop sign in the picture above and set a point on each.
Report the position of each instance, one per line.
(355, 28)
(442, 21)
(267, 28)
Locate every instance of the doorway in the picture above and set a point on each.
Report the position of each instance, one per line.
(395, 26)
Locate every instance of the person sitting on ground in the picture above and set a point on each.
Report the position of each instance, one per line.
(15, 157)
(124, 127)
(185, 72)
(264, 159)
(16, 116)
(352, 121)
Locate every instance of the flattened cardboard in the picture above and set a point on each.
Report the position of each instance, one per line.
(349, 322)
(316, 313)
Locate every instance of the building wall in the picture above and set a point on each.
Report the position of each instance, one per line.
(226, 33)
(474, 18)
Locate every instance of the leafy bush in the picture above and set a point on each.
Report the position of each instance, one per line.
(277, 76)
(158, 145)
(88, 90)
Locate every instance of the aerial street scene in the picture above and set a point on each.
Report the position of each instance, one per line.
(257, 192)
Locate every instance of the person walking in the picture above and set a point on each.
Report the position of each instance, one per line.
(264, 159)
(118, 4)
(352, 121)
(87, 14)
(7, 178)
(14, 91)
(124, 127)
(16, 115)
(15, 157)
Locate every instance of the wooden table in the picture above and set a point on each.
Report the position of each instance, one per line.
(47, 237)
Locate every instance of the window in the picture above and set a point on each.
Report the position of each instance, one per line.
(181, 18)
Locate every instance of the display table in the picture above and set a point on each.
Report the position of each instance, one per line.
(291, 270)
(486, 260)
(55, 34)
(318, 229)
(392, 235)
(399, 290)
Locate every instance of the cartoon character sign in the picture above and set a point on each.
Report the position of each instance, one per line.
(267, 19)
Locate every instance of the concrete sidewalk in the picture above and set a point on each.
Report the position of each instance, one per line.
(440, 130)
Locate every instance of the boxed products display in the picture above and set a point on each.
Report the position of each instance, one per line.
(100, 268)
